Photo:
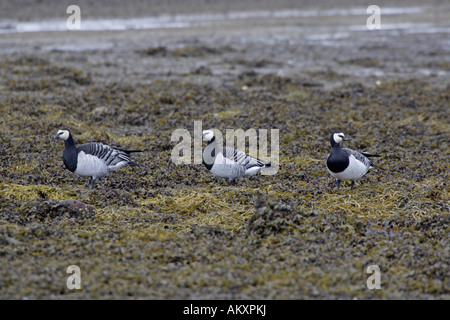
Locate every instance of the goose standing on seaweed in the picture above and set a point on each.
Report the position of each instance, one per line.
(347, 164)
(229, 162)
(92, 159)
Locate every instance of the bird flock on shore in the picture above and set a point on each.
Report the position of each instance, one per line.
(96, 160)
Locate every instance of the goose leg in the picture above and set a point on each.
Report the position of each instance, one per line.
(352, 184)
(92, 183)
(338, 182)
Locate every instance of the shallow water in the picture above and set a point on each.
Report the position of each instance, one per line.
(191, 20)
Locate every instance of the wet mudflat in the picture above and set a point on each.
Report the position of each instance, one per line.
(165, 231)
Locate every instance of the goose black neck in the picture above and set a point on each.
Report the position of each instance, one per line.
(210, 153)
(70, 157)
(334, 144)
(69, 142)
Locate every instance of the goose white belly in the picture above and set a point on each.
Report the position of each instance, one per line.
(252, 171)
(226, 168)
(355, 170)
(90, 166)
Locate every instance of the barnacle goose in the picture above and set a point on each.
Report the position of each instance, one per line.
(229, 162)
(347, 164)
(92, 159)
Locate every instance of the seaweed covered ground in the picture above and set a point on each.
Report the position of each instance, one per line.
(166, 231)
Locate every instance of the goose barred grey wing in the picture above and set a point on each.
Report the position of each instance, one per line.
(110, 155)
(369, 154)
(241, 158)
(360, 157)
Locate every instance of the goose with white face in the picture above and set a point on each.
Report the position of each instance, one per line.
(208, 135)
(92, 159)
(228, 162)
(62, 134)
(338, 137)
(345, 163)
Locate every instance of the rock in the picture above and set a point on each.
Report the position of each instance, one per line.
(76, 206)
